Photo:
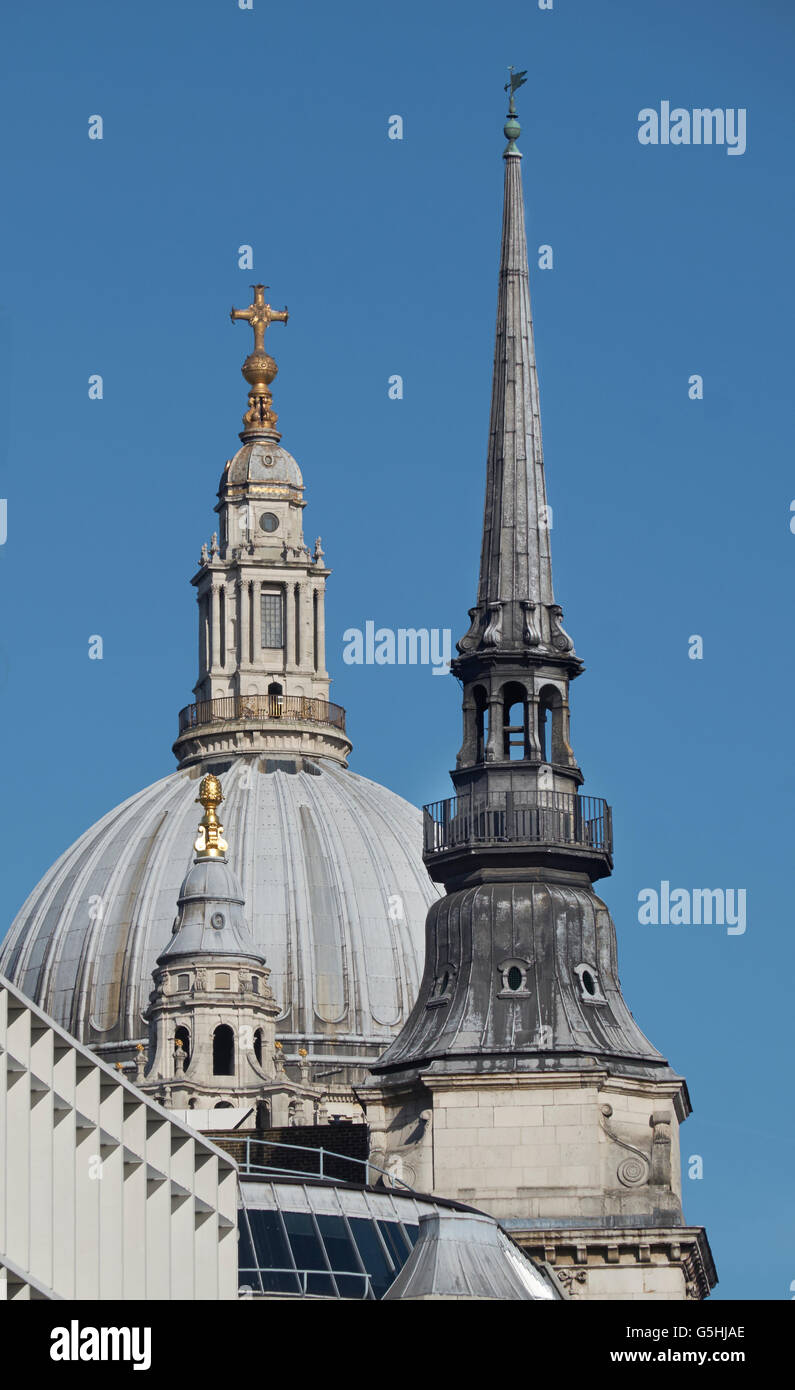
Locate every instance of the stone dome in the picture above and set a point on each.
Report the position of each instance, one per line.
(335, 889)
(263, 461)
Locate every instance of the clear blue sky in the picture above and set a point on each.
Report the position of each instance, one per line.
(671, 516)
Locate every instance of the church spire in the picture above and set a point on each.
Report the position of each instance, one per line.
(516, 660)
(515, 566)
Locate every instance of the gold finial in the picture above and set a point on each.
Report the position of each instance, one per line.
(209, 843)
(302, 1052)
(259, 369)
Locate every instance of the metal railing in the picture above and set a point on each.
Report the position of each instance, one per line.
(234, 707)
(255, 1159)
(531, 818)
(300, 1278)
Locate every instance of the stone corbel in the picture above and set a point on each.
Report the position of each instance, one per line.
(493, 630)
(469, 639)
(558, 637)
(660, 1122)
(530, 633)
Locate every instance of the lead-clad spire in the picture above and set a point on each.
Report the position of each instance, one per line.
(515, 603)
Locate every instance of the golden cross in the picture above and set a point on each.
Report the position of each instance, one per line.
(259, 315)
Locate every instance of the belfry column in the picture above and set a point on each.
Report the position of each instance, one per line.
(521, 1082)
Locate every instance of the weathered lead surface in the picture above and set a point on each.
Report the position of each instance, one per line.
(335, 891)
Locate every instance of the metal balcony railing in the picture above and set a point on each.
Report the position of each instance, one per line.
(529, 818)
(259, 707)
(256, 1158)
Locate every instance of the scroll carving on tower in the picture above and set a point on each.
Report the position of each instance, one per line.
(530, 633)
(559, 638)
(493, 629)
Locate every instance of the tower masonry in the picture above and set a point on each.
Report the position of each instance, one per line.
(521, 1082)
(263, 683)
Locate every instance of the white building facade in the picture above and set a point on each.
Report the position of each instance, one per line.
(103, 1195)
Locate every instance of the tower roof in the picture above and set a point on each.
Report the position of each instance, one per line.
(211, 920)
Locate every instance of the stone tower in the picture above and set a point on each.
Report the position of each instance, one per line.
(521, 1082)
(263, 682)
(212, 1010)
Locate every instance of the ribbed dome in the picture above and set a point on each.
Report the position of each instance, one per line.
(263, 462)
(336, 897)
(211, 918)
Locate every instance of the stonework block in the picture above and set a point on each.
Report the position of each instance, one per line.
(518, 1115)
(453, 1100)
(563, 1115)
(446, 1139)
(468, 1117)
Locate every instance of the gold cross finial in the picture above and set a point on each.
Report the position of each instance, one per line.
(259, 315)
(259, 368)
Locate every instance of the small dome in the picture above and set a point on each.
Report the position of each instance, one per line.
(211, 919)
(263, 461)
(211, 878)
(335, 891)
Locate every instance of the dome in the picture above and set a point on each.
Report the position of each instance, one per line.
(335, 890)
(263, 461)
(211, 918)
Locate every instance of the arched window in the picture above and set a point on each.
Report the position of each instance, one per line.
(258, 1045)
(275, 699)
(514, 721)
(223, 1051)
(481, 722)
(223, 1105)
(182, 1035)
(550, 725)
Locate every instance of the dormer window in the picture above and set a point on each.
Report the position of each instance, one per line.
(513, 978)
(590, 988)
(442, 987)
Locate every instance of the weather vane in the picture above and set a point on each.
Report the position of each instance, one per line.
(516, 80)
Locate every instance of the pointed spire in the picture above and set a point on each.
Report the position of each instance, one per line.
(515, 567)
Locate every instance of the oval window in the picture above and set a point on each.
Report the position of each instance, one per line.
(445, 982)
(588, 982)
(269, 522)
(514, 977)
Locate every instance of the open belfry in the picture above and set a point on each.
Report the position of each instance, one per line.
(521, 1083)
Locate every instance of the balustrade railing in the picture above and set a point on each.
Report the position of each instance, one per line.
(259, 707)
(537, 818)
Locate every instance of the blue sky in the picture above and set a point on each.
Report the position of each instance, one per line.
(268, 127)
